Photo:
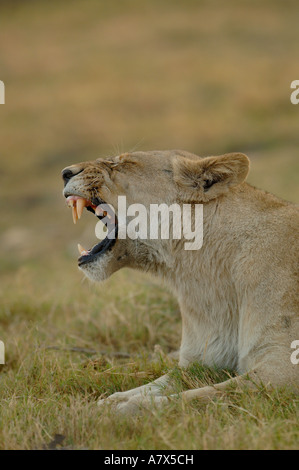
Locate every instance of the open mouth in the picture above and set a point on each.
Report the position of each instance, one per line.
(103, 212)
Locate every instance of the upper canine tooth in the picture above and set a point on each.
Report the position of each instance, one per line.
(75, 215)
(80, 206)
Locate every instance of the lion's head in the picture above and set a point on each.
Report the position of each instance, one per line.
(156, 177)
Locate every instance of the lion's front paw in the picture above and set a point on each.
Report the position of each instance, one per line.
(139, 403)
(114, 398)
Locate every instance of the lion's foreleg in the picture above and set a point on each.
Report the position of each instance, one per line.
(204, 394)
(155, 388)
(139, 402)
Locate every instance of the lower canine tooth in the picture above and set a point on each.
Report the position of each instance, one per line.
(82, 250)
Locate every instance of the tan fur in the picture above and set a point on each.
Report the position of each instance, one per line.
(238, 294)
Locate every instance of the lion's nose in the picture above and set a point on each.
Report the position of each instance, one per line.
(69, 172)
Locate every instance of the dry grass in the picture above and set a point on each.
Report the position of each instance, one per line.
(85, 79)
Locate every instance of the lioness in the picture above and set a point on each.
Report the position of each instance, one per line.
(237, 294)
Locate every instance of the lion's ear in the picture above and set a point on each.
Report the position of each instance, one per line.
(203, 179)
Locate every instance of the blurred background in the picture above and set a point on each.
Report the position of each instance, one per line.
(90, 78)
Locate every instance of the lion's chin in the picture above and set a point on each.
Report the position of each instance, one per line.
(100, 268)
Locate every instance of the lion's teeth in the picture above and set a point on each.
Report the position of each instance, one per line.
(75, 215)
(70, 202)
(80, 206)
(82, 250)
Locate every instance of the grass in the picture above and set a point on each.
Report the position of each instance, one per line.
(94, 78)
(47, 392)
